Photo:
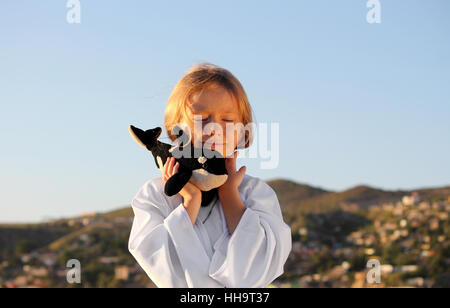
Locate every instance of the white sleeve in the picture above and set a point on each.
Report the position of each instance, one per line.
(165, 244)
(254, 255)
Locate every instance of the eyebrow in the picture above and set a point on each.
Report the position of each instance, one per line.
(206, 110)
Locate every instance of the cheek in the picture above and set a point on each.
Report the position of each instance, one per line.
(196, 133)
(233, 138)
(197, 139)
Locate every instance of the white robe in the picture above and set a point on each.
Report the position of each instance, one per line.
(175, 253)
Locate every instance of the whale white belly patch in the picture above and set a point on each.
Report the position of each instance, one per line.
(207, 181)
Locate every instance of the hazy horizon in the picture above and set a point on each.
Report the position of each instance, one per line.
(48, 218)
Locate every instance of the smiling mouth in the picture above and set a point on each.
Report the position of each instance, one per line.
(216, 146)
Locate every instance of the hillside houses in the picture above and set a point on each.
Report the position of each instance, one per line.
(330, 249)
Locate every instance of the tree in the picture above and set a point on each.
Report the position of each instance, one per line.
(24, 246)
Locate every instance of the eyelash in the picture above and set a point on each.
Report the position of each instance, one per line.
(224, 120)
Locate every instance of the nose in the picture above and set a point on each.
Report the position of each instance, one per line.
(213, 133)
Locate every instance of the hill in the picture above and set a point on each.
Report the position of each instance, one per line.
(288, 191)
(99, 240)
(296, 201)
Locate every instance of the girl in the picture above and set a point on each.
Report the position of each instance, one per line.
(240, 238)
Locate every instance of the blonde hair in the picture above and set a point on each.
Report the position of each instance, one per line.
(200, 77)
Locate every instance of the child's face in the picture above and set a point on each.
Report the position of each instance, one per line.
(214, 108)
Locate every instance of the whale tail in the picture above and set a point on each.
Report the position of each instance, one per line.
(146, 139)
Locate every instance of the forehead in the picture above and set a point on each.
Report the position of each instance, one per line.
(216, 99)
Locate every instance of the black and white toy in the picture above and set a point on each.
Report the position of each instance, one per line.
(206, 173)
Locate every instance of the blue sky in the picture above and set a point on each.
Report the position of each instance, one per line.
(357, 103)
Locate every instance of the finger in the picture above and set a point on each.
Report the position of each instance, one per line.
(161, 167)
(177, 165)
(242, 170)
(233, 161)
(166, 168)
(160, 164)
(163, 171)
(171, 163)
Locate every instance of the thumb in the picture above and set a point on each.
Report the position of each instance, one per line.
(241, 171)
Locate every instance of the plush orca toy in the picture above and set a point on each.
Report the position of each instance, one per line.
(206, 173)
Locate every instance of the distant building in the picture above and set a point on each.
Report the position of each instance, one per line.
(84, 237)
(71, 223)
(386, 269)
(443, 215)
(10, 285)
(424, 205)
(369, 251)
(296, 247)
(359, 280)
(20, 281)
(415, 282)
(49, 259)
(434, 224)
(122, 272)
(408, 268)
(425, 253)
(403, 223)
(89, 214)
(86, 221)
(26, 258)
(303, 231)
(109, 260)
(37, 283)
(412, 199)
(38, 271)
(345, 265)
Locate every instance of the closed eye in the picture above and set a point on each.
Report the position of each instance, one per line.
(225, 120)
(203, 119)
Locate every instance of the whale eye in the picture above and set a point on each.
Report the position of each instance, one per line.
(202, 159)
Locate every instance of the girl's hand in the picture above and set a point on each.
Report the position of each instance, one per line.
(234, 177)
(192, 195)
(169, 169)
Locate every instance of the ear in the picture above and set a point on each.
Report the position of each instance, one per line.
(146, 138)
